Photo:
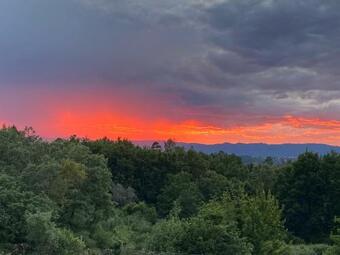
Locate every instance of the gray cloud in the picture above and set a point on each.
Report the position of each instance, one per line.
(275, 49)
(278, 32)
(254, 57)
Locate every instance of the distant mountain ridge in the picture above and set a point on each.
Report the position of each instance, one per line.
(257, 149)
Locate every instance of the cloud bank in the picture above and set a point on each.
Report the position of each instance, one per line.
(225, 64)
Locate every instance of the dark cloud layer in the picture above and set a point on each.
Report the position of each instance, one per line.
(253, 57)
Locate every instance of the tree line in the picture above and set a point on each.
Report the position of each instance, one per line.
(79, 196)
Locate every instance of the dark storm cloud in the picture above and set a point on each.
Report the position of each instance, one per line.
(281, 51)
(64, 41)
(253, 56)
(278, 32)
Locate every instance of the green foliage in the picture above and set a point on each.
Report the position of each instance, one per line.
(261, 222)
(142, 210)
(46, 238)
(123, 196)
(166, 235)
(303, 190)
(335, 237)
(275, 247)
(180, 189)
(56, 184)
(311, 249)
(14, 204)
(229, 166)
(77, 196)
(262, 177)
(232, 225)
(213, 185)
(205, 237)
(197, 236)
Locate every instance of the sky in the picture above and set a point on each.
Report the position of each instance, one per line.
(206, 71)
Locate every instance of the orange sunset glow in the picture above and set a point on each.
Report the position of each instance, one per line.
(181, 72)
(286, 130)
(95, 115)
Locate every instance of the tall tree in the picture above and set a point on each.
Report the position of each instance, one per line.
(301, 190)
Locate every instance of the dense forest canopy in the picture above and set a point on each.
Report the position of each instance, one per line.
(78, 196)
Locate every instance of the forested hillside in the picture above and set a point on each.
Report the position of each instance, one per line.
(77, 196)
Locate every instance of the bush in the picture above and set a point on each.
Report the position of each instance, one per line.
(312, 249)
(46, 238)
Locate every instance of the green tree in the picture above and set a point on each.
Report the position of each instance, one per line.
(166, 235)
(228, 165)
(181, 189)
(14, 204)
(261, 223)
(302, 190)
(213, 185)
(335, 237)
(46, 238)
(213, 231)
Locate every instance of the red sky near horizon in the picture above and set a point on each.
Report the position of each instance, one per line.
(93, 114)
(208, 71)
